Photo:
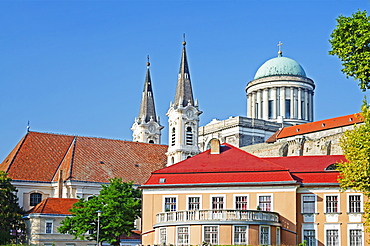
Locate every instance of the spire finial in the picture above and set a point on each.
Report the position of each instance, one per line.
(280, 53)
(184, 42)
(148, 63)
(28, 126)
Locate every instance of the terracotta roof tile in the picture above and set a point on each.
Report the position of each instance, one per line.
(39, 157)
(316, 126)
(54, 206)
(100, 159)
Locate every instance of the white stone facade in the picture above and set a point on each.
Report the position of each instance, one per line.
(183, 125)
(276, 97)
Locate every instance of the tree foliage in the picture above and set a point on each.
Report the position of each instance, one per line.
(355, 174)
(350, 41)
(120, 204)
(10, 213)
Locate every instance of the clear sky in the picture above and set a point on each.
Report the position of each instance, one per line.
(78, 67)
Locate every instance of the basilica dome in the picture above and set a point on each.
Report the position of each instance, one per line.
(280, 66)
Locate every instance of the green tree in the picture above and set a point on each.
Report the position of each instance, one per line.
(355, 174)
(120, 204)
(350, 41)
(11, 225)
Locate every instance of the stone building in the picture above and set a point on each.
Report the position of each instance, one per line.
(281, 90)
(280, 95)
(314, 138)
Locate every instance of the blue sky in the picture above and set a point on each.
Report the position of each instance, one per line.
(78, 67)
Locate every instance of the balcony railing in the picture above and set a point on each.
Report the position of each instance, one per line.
(217, 215)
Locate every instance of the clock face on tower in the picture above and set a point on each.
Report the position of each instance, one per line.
(151, 128)
(189, 113)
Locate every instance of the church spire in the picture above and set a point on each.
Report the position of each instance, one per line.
(147, 109)
(146, 128)
(184, 93)
(183, 118)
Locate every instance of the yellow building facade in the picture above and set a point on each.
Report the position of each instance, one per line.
(227, 197)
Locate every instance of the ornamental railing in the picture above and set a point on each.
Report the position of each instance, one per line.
(217, 215)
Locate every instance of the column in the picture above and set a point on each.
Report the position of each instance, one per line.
(292, 116)
(259, 109)
(311, 106)
(306, 103)
(282, 101)
(253, 105)
(249, 106)
(274, 104)
(265, 109)
(299, 103)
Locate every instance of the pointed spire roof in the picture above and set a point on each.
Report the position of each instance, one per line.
(147, 108)
(184, 92)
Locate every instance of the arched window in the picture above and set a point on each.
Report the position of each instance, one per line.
(151, 141)
(172, 160)
(173, 137)
(189, 136)
(35, 198)
(331, 167)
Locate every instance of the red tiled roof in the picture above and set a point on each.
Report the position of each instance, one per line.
(53, 206)
(230, 159)
(316, 126)
(232, 165)
(316, 163)
(236, 167)
(40, 156)
(317, 178)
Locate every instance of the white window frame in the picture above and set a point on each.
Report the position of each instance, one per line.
(310, 226)
(302, 202)
(164, 202)
(160, 235)
(338, 203)
(331, 227)
(355, 227)
(272, 200)
(278, 236)
(259, 235)
(52, 226)
(218, 233)
(246, 235)
(238, 195)
(187, 201)
(211, 200)
(177, 235)
(361, 202)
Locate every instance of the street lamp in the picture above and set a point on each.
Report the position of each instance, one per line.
(97, 235)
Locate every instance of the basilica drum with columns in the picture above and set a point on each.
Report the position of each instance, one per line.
(281, 91)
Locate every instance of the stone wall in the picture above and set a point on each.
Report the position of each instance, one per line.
(316, 143)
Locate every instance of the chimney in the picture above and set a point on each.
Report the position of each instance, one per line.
(215, 146)
(60, 184)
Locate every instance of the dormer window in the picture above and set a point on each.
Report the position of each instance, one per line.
(35, 198)
(331, 167)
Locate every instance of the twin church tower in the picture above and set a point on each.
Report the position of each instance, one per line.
(279, 95)
(183, 117)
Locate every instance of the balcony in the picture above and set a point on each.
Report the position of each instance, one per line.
(217, 216)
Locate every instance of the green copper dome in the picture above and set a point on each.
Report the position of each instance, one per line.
(280, 66)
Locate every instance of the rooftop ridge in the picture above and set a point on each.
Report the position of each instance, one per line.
(94, 137)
